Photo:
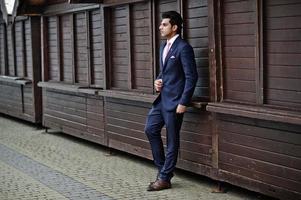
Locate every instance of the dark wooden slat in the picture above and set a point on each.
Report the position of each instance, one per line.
(262, 167)
(273, 180)
(262, 155)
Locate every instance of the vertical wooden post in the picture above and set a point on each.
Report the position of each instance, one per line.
(59, 54)
(213, 53)
(13, 41)
(36, 66)
(181, 11)
(23, 43)
(150, 30)
(154, 44)
(6, 72)
(72, 30)
(105, 48)
(219, 52)
(44, 43)
(88, 42)
(212, 13)
(130, 68)
(259, 52)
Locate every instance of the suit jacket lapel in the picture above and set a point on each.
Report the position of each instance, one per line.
(172, 48)
(161, 52)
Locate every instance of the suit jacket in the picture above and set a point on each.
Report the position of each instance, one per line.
(178, 74)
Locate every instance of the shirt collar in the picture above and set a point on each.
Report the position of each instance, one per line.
(171, 40)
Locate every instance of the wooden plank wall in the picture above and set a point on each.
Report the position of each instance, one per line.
(81, 55)
(262, 155)
(78, 115)
(196, 142)
(2, 49)
(282, 44)
(260, 65)
(10, 98)
(195, 14)
(119, 48)
(96, 43)
(53, 56)
(11, 50)
(238, 41)
(75, 48)
(141, 53)
(125, 121)
(19, 49)
(28, 50)
(22, 97)
(66, 48)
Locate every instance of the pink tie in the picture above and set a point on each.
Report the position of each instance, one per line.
(165, 51)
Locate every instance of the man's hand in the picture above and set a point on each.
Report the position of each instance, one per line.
(158, 85)
(180, 109)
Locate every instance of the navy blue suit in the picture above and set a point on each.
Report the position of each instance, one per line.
(179, 77)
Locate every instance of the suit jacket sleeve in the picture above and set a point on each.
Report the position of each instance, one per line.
(191, 75)
(159, 76)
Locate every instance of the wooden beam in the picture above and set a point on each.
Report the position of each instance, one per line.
(23, 43)
(130, 68)
(219, 53)
(73, 49)
(85, 1)
(152, 40)
(154, 43)
(259, 52)
(5, 50)
(212, 9)
(120, 2)
(58, 43)
(212, 51)
(105, 15)
(88, 42)
(35, 27)
(13, 42)
(45, 62)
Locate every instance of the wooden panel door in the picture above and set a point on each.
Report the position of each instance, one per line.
(282, 55)
(238, 41)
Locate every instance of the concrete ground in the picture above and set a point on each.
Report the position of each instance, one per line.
(39, 165)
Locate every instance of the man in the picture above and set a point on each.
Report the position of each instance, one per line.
(175, 83)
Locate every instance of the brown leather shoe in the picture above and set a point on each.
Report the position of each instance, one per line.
(159, 185)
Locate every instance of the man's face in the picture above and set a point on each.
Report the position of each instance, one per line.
(166, 29)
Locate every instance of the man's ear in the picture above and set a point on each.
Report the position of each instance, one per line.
(175, 28)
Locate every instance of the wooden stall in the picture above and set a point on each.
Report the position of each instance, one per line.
(255, 65)
(20, 68)
(100, 58)
(98, 71)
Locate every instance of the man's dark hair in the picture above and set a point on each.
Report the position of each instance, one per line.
(175, 19)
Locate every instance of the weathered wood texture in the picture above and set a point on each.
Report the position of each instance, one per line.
(258, 118)
(195, 14)
(79, 115)
(20, 69)
(74, 52)
(2, 49)
(261, 155)
(10, 50)
(142, 74)
(96, 43)
(16, 100)
(238, 41)
(196, 142)
(119, 48)
(66, 48)
(282, 45)
(125, 126)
